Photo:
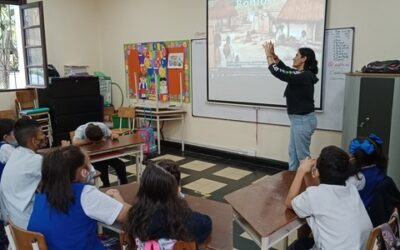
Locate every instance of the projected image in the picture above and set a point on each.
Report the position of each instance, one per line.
(236, 31)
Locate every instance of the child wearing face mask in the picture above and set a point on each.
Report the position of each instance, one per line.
(64, 198)
(22, 172)
(7, 141)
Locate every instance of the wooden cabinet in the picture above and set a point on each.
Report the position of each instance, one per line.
(372, 105)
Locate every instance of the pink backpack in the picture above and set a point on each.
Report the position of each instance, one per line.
(147, 134)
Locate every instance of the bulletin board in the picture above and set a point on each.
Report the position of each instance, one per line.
(161, 65)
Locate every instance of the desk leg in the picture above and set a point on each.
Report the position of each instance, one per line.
(182, 132)
(139, 160)
(265, 244)
(158, 135)
(285, 243)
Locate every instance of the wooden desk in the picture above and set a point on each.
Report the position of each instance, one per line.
(161, 115)
(260, 209)
(220, 213)
(124, 145)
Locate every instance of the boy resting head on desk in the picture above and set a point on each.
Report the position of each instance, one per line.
(93, 132)
(333, 210)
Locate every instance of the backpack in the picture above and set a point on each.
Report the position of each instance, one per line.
(389, 66)
(390, 236)
(147, 134)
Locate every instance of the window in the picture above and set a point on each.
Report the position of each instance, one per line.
(23, 61)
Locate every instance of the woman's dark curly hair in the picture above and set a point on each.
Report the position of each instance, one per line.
(157, 192)
(311, 63)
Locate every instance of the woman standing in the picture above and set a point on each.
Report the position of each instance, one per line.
(299, 95)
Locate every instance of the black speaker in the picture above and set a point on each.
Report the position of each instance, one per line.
(67, 123)
(75, 105)
(62, 87)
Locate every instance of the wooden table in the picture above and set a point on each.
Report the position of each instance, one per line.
(220, 213)
(161, 115)
(124, 145)
(260, 209)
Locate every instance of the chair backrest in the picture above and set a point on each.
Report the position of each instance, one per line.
(25, 239)
(10, 114)
(26, 99)
(185, 245)
(375, 237)
(126, 112)
(108, 113)
(129, 113)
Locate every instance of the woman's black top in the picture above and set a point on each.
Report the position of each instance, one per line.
(299, 90)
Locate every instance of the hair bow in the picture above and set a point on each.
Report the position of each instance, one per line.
(365, 146)
(151, 245)
(375, 138)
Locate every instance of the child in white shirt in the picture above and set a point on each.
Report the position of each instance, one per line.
(334, 211)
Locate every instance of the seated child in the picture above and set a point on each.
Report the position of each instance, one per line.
(173, 168)
(333, 210)
(377, 190)
(22, 172)
(66, 208)
(7, 141)
(95, 132)
(159, 214)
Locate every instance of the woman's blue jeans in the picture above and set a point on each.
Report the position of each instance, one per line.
(301, 129)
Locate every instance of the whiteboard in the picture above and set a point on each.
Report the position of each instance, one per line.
(338, 54)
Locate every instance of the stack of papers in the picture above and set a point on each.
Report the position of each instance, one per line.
(74, 70)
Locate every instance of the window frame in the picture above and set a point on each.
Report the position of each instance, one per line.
(23, 6)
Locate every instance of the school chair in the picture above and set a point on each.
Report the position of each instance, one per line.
(24, 239)
(125, 113)
(108, 114)
(26, 105)
(9, 114)
(375, 236)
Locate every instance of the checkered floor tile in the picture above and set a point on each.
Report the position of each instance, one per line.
(211, 177)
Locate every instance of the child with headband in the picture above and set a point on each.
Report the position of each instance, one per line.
(377, 190)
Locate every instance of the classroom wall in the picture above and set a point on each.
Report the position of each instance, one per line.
(92, 32)
(374, 40)
(71, 37)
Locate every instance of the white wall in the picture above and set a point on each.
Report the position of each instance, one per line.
(92, 32)
(143, 20)
(71, 37)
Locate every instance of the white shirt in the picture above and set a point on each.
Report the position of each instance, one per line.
(99, 206)
(5, 152)
(80, 132)
(19, 182)
(336, 216)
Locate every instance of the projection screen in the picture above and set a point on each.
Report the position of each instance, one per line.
(237, 67)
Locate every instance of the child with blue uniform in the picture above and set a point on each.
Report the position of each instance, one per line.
(377, 190)
(66, 209)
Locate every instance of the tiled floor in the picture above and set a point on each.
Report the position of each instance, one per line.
(212, 177)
